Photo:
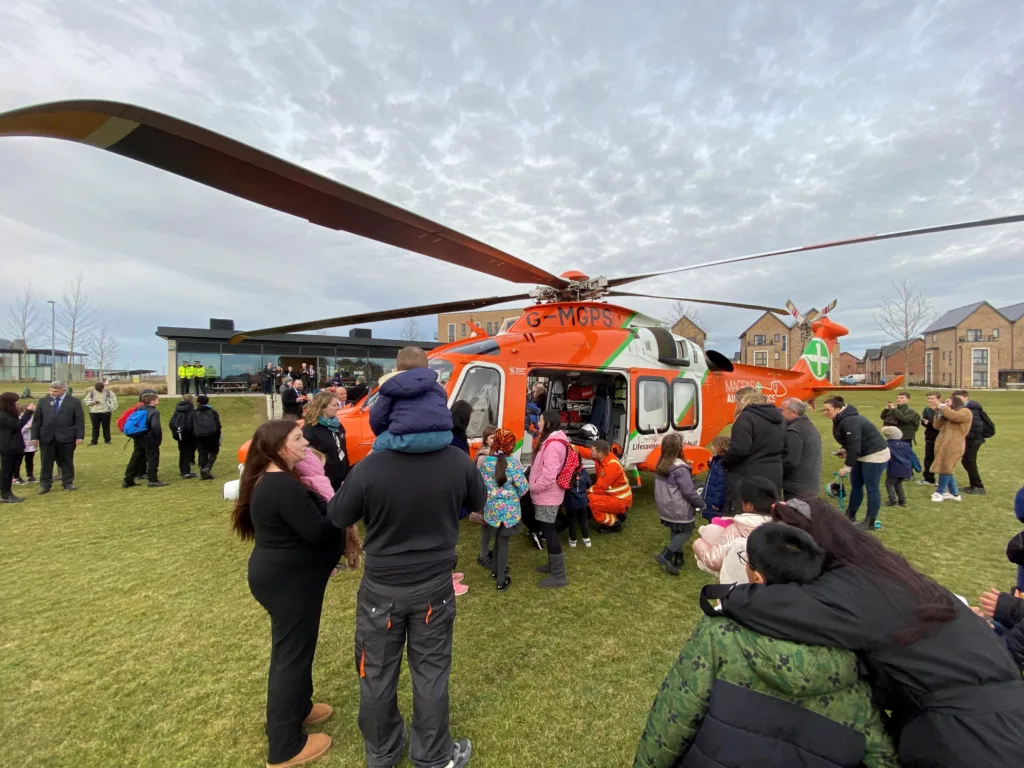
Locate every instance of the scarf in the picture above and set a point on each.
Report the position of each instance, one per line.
(331, 424)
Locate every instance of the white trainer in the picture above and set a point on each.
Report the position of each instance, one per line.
(937, 496)
(951, 497)
(586, 543)
(572, 543)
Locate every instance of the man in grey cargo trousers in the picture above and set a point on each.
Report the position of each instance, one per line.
(410, 505)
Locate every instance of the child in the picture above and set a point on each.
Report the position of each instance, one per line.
(1013, 549)
(781, 554)
(29, 456)
(718, 549)
(577, 509)
(485, 449)
(181, 430)
(147, 437)
(207, 431)
(411, 412)
(311, 472)
(714, 484)
(677, 500)
(900, 465)
(506, 484)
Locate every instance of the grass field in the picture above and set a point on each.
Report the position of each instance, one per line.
(128, 636)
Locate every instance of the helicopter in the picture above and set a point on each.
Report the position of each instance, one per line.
(610, 371)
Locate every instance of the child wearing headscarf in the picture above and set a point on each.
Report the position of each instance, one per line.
(506, 483)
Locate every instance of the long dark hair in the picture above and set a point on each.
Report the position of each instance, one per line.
(671, 449)
(264, 450)
(844, 545)
(462, 412)
(552, 423)
(7, 403)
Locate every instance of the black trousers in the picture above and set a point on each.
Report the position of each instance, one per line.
(970, 462)
(8, 463)
(209, 447)
(200, 385)
(186, 455)
(145, 459)
(580, 516)
(100, 420)
(929, 457)
(30, 463)
(64, 455)
(183, 386)
(387, 620)
(292, 592)
(894, 487)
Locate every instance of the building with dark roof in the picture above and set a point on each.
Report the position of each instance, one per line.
(19, 362)
(973, 347)
(357, 354)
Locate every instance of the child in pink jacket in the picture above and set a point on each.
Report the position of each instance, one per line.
(718, 549)
(311, 472)
(545, 493)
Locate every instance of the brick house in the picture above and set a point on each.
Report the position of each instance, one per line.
(1015, 374)
(688, 329)
(889, 361)
(848, 364)
(773, 343)
(454, 326)
(968, 346)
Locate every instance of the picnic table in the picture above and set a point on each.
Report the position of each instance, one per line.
(229, 387)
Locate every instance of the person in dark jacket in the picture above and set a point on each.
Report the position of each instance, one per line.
(899, 468)
(1006, 613)
(756, 444)
(714, 490)
(357, 392)
(801, 460)
(295, 549)
(326, 434)
(677, 500)
(956, 696)
(146, 453)
(293, 400)
(58, 427)
(903, 416)
(981, 428)
(182, 432)
(931, 433)
(867, 456)
(267, 377)
(12, 443)
(207, 430)
(738, 698)
(411, 412)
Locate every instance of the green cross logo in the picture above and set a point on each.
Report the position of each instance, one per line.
(817, 357)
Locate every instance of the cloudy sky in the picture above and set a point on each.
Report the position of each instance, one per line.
(603, 136)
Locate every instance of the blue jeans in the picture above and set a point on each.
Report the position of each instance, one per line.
(947, 484)
(866, 475)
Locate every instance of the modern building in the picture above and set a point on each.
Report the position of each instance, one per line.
(892, 360)
(771, 342)
(454, 326)
(973, 347)
(19, 362)
(358, 354)
(688, 329)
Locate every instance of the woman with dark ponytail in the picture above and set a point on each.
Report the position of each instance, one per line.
(506, 483)
(547, 496)
(956, 695)
(296, 547)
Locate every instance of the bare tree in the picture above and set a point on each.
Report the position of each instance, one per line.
(904, 316)
(411, 330)
(76, 317)
(102, 348)
(681, 311)
(23, 323)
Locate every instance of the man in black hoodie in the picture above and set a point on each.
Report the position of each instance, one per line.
(181, 431)
(981, 428)
(867, 456)
(146, 455)
(931, 432)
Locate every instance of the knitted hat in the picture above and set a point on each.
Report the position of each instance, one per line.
(1018, 505)
(892, 433)
(1015, 549)
(504, 442)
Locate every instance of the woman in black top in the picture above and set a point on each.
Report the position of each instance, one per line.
(12, 444)
(956, 695)
(755, 445)
(296, 546)
(325, 433)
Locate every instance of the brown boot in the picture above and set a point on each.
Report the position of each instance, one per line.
(320, 713)
(317, 745)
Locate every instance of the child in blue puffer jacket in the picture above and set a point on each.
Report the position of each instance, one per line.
(411, 412)
(714, 484)
(900, 465)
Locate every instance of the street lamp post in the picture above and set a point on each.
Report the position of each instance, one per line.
(53, 338)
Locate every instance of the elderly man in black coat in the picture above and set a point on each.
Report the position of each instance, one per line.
(57, 428)
(801, 460)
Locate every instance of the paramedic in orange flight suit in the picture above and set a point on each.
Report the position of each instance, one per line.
(610, 495)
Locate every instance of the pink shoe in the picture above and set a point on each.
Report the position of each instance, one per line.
(457, 577)
(460, 589)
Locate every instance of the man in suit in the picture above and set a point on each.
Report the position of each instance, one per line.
(57, 428)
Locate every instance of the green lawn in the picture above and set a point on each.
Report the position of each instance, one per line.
(128, 636)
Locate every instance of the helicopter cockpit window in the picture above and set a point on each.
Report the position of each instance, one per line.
(481, 388)
(652, 406)
(486, 346)
(443, 369)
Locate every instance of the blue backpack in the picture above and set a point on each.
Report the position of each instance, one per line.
(136, 424)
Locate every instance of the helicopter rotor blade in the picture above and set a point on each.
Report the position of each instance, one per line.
(794, 311)
(376, 317)
(735, 305)
(830, 307)
(1015, 219)
(217, 161)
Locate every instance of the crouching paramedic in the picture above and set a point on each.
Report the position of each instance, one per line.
(610, 497)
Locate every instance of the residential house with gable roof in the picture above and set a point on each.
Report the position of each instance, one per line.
(771, 342)
(968, 346)
(1014, 376)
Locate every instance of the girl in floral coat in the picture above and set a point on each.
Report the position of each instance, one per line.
(506, 483)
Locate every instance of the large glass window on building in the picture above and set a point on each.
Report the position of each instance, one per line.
(381, 361)
(206, 353)
(241, 363)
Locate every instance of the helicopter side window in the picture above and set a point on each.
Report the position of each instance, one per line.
(481, 388)
(652, 406)
(685, 405)
(443, 369)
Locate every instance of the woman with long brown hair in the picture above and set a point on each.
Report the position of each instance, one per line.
(956, 695)
(12, 443)
(296, 547)
(953, 421)
(326, 434)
